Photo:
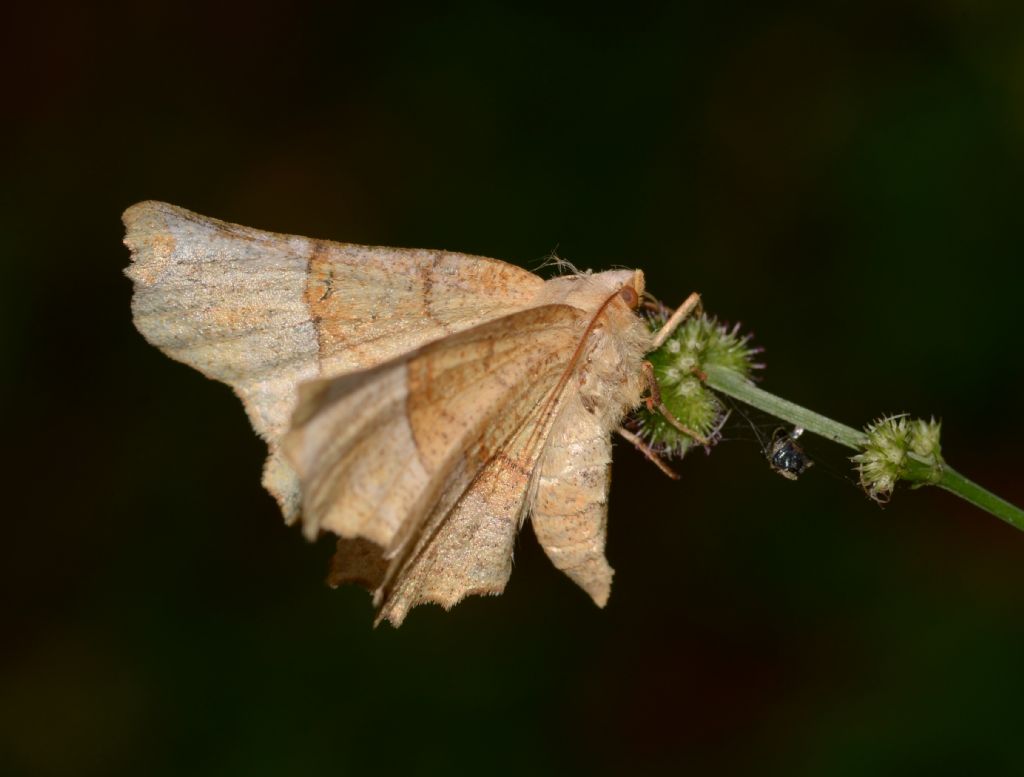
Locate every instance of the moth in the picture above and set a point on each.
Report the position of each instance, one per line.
(418, 404)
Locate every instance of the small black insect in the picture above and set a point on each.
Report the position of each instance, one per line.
(785, 454)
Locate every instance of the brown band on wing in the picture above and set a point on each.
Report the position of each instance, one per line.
(427, 272)
(319, 296)
(314, 292)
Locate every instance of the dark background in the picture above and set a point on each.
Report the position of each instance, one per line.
(845, 178)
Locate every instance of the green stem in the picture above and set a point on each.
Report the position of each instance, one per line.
(971, 492)
(731, 383)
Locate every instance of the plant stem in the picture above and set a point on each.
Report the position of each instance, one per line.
(733, 384)
(730, 382)
(971, 492)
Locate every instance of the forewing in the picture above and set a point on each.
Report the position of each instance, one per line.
(389, 454)
(466, 548)
(264, 312)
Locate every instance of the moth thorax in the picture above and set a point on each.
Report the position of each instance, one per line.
(610, 373)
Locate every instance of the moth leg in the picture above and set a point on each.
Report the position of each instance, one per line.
(648, 452)
(690, 305)
(654, 402)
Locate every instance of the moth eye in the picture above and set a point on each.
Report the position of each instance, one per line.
(628, 294)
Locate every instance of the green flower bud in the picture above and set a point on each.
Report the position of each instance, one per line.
(899, 448)
(679, 366)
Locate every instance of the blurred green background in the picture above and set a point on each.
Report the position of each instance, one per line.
(845, 178)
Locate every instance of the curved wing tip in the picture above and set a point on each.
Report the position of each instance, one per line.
(144, 208)
(147, 237)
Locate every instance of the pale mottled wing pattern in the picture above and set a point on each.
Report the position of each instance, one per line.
(264, 312)
(429, 457)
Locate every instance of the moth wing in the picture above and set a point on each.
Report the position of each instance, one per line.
(264, 312)
(430, 457)
(570, 512)
(467, 548)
